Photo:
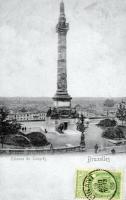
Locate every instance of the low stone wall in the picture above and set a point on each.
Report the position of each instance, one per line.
(42, 151)
(102, 151)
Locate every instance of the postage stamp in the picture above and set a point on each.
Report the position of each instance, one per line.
(99, 184)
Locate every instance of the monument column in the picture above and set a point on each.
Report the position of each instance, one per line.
(62, 98)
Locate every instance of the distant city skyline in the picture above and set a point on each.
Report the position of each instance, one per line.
(96, 50)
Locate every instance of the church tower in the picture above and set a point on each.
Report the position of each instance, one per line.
(62, 100)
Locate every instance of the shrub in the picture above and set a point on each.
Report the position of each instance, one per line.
(107, 123)
(20, 140)
(37, 139)
(113, 133)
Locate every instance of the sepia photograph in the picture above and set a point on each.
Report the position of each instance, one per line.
(63, 99)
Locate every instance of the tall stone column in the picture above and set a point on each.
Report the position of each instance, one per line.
(62, 98)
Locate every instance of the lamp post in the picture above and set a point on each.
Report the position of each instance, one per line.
(82, 130)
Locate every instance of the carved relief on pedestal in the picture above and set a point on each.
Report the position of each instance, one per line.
(62, 84)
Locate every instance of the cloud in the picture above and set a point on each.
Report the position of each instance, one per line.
(91, 6)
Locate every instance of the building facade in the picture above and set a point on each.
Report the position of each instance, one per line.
(27, 116)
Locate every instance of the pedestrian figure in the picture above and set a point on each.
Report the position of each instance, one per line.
(113, 151)
(96, 148)
(82, 143)
(45, 130)
(51, 147)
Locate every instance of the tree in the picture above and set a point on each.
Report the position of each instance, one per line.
(121, 112)
(49, 112)
(109, 103)
(80, 124)
(23, 109)
(7, 127)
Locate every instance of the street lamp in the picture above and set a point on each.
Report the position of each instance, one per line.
(82, 130)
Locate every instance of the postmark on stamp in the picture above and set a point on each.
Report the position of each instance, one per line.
(98, 184)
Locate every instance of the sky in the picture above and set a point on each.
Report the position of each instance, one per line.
(96, 47)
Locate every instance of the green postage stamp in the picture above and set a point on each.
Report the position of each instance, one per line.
(98, 184)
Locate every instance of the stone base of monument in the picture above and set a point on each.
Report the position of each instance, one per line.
(65, 124)
(60, 125)
(62, 113)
